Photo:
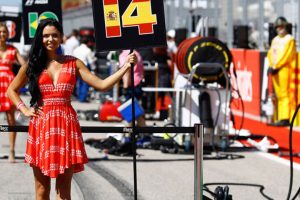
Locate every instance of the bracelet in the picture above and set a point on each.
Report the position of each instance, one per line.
(20, 104)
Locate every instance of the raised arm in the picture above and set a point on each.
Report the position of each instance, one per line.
(108, 83)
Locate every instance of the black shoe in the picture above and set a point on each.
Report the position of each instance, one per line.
(284, 122)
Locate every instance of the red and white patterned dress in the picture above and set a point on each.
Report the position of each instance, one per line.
(55, 141)
(6, 77)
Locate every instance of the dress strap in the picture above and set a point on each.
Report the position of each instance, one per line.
(70, 63)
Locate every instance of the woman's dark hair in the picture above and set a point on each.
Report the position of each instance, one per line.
(38, 58)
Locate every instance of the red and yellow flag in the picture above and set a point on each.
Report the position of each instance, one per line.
(112, 18)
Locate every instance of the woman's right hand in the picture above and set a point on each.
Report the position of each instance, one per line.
(33, 112)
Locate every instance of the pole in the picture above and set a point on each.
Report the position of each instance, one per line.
(133, 134)
(245, 11)
(261, 25)
(198, 154)
(216, 16)
(229, 24)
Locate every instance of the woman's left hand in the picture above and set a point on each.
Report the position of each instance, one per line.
(132, 58)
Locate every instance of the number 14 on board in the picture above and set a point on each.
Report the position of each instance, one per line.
(137, 14)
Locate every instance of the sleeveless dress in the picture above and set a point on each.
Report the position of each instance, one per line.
(6, 77)
(54, 140)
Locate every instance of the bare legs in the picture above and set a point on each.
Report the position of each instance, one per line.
(43, 184)
(12, 135)
(63, 185)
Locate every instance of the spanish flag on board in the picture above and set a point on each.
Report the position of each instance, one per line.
(112, 18)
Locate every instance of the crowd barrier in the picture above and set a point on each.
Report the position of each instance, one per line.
(197, 130)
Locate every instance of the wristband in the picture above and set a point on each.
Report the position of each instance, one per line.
(20, 104)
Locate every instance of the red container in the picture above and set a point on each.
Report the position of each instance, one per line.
(109, 112)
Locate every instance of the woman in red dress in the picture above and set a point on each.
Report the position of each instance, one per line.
(55, 147)
(8, 55)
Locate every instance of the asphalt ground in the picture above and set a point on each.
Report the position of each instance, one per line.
(160, 176)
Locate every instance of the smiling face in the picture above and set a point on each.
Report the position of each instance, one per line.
(3, 33)
(52, 38)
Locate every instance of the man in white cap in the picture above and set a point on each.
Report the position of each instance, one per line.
(172, 48)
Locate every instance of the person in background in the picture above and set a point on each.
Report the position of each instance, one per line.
(172, 48)
(84, 53)
(71, 43)
(55, 147)
(282, 60)
(164, 62)
(138, 77)
(8, 55)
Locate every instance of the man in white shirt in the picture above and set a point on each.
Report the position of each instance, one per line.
(71, 43)
(86, 55)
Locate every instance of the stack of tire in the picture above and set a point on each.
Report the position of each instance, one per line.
(203, 50)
